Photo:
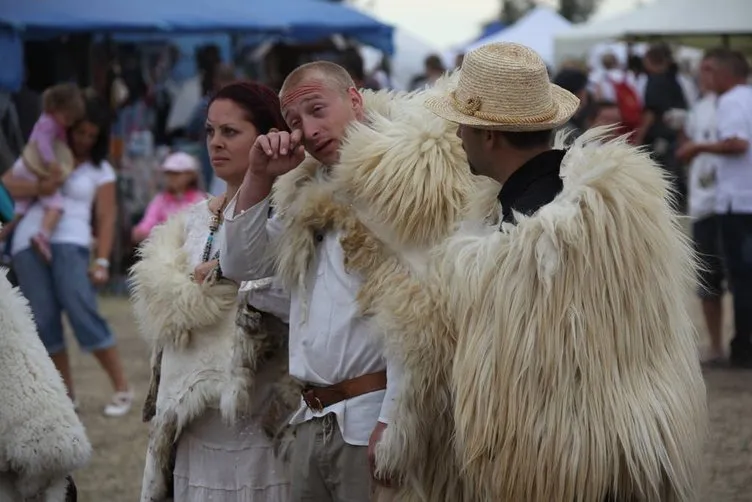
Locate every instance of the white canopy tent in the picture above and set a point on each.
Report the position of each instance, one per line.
(699, 23)
(537, 30)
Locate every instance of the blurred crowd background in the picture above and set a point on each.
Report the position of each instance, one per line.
(154, 66)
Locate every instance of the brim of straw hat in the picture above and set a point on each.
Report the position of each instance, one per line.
(34, 162)
(565, 102)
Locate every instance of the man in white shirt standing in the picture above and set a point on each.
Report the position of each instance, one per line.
(319, 239)
(701, 128)
(734, 187)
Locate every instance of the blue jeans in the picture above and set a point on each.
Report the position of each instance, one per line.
(62, 286)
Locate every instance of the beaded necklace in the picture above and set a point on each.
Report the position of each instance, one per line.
(214, 224)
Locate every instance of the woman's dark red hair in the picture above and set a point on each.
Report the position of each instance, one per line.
(260, 103)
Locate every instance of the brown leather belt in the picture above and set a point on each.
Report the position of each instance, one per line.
(318, 398)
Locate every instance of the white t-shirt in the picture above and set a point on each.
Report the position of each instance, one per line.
(701, 128)
(734, 118)
(79, 192)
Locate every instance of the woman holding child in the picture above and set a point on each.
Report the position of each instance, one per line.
(66, 282)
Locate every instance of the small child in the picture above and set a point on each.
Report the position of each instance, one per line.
(181, 191)
(47, 154)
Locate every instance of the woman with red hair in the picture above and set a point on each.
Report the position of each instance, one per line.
(220, 390)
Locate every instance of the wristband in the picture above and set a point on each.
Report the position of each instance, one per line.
(102, 262)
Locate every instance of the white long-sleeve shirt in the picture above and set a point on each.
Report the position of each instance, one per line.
(332, 342)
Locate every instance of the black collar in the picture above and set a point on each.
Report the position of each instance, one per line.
(539, 175)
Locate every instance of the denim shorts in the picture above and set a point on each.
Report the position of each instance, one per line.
(62, 286)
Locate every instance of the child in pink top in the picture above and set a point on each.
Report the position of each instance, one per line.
(180, 192)
(62, 104)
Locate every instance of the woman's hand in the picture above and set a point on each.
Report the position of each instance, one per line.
(203, 270)
(99, 274)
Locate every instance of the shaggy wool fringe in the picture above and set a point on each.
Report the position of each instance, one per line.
(167, 301)
(42, 438)
(576, 372)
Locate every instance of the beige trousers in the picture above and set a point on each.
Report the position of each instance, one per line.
(326, 469)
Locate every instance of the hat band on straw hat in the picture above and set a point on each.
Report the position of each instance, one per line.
(471, 106)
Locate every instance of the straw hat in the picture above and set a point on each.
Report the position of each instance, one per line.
(505, 87)
(34, 162)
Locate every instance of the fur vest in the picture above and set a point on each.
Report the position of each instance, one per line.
(574, 367)
(41, 438)
(206, 349)
(402, 183)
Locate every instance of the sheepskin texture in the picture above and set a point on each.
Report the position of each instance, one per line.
(41, 438)
(200, 357)
(402, 183)
(170, 305)
(575, 372)
(261, 344)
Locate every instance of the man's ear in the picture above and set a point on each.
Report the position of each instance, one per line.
(356, 101)
(493, 139)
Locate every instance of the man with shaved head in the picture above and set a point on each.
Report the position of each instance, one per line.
(326, 251)
(318, 100)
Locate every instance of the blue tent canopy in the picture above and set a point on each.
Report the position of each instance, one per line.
(55, 17)
(11, 54)
(308, 20)
(491, 29)
(300, 19)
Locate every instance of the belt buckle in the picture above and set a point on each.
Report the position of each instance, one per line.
(312, 401)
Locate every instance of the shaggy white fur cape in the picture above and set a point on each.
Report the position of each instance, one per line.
(200, 357)
(41, 438)
(575, 373)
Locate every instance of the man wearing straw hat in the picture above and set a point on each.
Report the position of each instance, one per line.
(559, 311)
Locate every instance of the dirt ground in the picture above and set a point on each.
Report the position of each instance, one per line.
(114, 475)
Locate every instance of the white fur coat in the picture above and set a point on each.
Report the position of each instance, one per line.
(574, 367)
(41, 438)
(553, 361)
(200, 357)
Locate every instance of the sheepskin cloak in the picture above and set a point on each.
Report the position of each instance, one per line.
(41, 438)
(574, 367)
(206, 349)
